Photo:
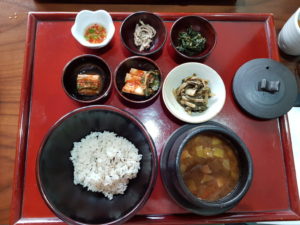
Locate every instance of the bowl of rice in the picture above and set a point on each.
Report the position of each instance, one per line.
(96, 165)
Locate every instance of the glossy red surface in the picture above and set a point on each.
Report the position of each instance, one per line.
(241, 37)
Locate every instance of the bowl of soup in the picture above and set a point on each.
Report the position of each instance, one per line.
(207, 169)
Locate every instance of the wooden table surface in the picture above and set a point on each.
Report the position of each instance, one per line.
(13, 24)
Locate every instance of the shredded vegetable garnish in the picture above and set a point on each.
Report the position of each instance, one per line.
(143, 35)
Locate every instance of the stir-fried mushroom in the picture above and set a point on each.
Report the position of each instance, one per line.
(193, 94)
(143, 35)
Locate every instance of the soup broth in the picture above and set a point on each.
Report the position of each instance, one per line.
(209, 167)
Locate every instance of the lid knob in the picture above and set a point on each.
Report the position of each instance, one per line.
(269, 86)
(265, 88)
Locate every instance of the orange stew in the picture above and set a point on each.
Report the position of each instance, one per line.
(209, 167)
(95, 33)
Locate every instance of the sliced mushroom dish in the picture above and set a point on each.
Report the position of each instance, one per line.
(193, 94)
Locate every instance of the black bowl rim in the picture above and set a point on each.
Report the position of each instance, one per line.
(105, 93)
(154, 162)
(133, 58)
(150, 52)
(193, 57)
(233, 197)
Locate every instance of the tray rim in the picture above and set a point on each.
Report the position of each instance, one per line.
(293, 213)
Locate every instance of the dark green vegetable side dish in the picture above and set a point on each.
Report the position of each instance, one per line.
(191, 42)
(153, 83)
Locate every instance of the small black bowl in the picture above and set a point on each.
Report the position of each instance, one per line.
(89, 64)
(128, 28)
(172, 178)
(137, 62)
(198, 24)
(75, 204)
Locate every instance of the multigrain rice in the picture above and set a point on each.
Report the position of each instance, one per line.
(104, 162)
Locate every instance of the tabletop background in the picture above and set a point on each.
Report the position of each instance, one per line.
(13, 24)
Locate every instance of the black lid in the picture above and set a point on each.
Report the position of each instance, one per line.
(265, 88)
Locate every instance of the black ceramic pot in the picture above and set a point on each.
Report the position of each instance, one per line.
(173, 181)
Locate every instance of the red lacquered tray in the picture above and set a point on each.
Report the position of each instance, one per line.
(240, 38)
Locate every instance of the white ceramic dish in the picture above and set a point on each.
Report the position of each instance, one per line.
(86, 18)
(174, 79)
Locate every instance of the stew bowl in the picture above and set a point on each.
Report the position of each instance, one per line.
(172, 174)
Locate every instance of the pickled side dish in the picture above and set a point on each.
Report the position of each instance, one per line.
(141, 82)
(209, 167)
(88, 84)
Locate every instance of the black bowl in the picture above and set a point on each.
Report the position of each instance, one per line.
(73, 203)
(128, 28)
(198, 24)
(90, 64)
(173, 181)
(137, 62)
